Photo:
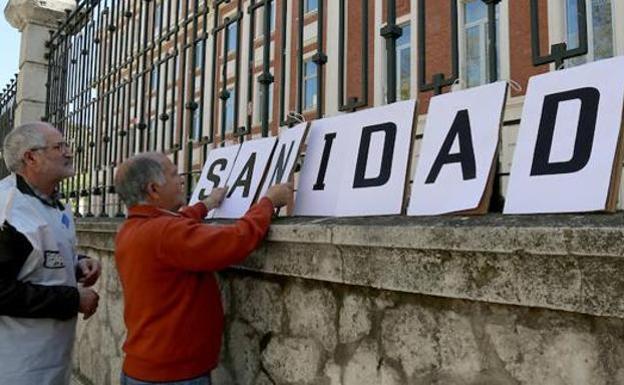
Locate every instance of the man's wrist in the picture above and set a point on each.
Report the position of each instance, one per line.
(268, 198)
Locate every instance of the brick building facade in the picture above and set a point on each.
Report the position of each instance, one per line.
(185, 76)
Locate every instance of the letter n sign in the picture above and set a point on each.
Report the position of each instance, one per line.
(458, 151)
(569, 141)
(287, 150)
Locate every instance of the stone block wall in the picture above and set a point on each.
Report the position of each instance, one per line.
(97, 353)
(475, 301)
(295, 331)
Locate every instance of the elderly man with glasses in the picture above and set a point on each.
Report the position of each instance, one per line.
(43, 282)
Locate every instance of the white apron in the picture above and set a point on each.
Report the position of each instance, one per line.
(37, 351)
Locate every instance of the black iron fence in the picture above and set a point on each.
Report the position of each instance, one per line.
(7, 115)
(166, 75)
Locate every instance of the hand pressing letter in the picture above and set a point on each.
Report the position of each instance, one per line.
(215, 198)
(281, 194)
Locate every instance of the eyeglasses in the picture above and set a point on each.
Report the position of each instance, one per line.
(63, 147)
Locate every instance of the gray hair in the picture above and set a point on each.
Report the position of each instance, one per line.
(20, 140)
(136, 173)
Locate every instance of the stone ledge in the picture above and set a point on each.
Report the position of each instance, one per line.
(46, 13)
(564, 262)
(552, 235)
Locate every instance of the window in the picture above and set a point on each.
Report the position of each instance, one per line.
(310, 91)
(199, 53)
(232, 37)
(260, 102)
(153, 128)
(599, 30)
(403, 50)
(260, 19)
(181, 9)
(229, 111)
(157, 18)
(196, 123)
(310, 6)
(168, 127)
(476, 64)
(171, 69)
(187, 8)
(154, 79)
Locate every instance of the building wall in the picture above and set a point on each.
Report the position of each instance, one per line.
(519, 32)
(529, 300)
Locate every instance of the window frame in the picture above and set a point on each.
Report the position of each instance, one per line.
(199, 52)
(557, 28)
(306, 7)
(304, 79)
(158, 10)
(399, 48)
(504, 65)
(154, 80)
(153, 131)
(257, 111)
(196, 123)
(259, 14)
(234, 26)
(590, 56)
(231, 99)
(482, 25)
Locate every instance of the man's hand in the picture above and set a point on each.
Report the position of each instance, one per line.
(281, 194)
(215, 198)
(90, 270)
(88, 301)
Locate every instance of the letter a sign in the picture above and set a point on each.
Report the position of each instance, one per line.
(245, 177)
(215, 173)
(458, 151)
(567, 154)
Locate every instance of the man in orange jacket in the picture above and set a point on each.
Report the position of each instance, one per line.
(166, 259)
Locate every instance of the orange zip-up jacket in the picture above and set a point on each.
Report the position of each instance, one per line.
(172, 303)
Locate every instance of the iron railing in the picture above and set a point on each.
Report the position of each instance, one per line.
(7, 116)
(439, 80)
(168, 75)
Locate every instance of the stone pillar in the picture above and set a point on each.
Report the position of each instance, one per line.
(34, 19)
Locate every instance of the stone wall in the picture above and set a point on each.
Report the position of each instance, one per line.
(449, 300)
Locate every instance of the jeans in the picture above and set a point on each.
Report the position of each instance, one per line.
(203, 380)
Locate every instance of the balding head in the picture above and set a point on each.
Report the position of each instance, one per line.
(135, 174)
(22, 139)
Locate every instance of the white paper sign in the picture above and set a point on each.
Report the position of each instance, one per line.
(246, 177)
(285, 156)
(219, 163)
(356, 164)
(568, 136)
(457, 150)
(315, 195)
